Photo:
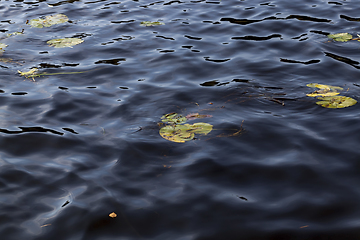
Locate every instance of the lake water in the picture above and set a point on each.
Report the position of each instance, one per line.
(84, 142)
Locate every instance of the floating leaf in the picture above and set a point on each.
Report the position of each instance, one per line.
(336, 102)
(149, 24)
(64, 42)
(29, 74)
(14, 34)
(200, 128)
(324, 90)
(48, 21)
(173, 118)
(186, 132)
(341, 37)
(177, 133)
(34, 73)
(2, 46)
(193, 116)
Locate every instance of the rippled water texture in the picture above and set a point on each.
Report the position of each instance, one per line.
(76, 147)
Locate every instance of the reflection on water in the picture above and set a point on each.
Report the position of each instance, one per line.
(83, 140)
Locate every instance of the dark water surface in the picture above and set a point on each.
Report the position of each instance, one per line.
(76, 147)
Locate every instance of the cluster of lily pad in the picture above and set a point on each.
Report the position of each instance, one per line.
(47, 21)
(177, 131)
(329, 96)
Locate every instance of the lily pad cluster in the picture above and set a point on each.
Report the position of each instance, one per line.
(44, 22)
(329, 96)
(342, 37)
(178, 131)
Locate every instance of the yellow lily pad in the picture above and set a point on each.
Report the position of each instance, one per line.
(28, 74)
(324, 90)
(149, 24)
(177, 133)
(173, 118)
(14, 34)
(64, 42)
(48, 21)
(340, 37)
(336, 102)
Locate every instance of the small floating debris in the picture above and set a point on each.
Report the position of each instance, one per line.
(113, 215)
(2, 47)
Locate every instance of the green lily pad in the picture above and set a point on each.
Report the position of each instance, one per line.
(2, 46)
(48, 21)
(200, 128)
(340, 37)
(149, 24)
(173, 118)
(64, 42)
(324, 90)
(177, 133)
(186, 132)
(336, 102)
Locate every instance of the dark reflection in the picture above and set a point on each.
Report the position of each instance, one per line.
(66, 203)
(298, 17)
(151, 4)
(19, 93)
(343, 59)
(350, 18)
(306, 18)
(336, 3)
(95, 1)
(71, 64)
(294, 61)
(240, 80)
(320, 32)
(302, 35)
(171, 2)
(217, 60)
(70, 130)
(166, 51)
(192, 38)
(255, 38)
(49, 65)
(30, 129)
(239, 21)
(210, 83)
(123, 21)
(111, 61)
(64, 2)
(167, 38)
